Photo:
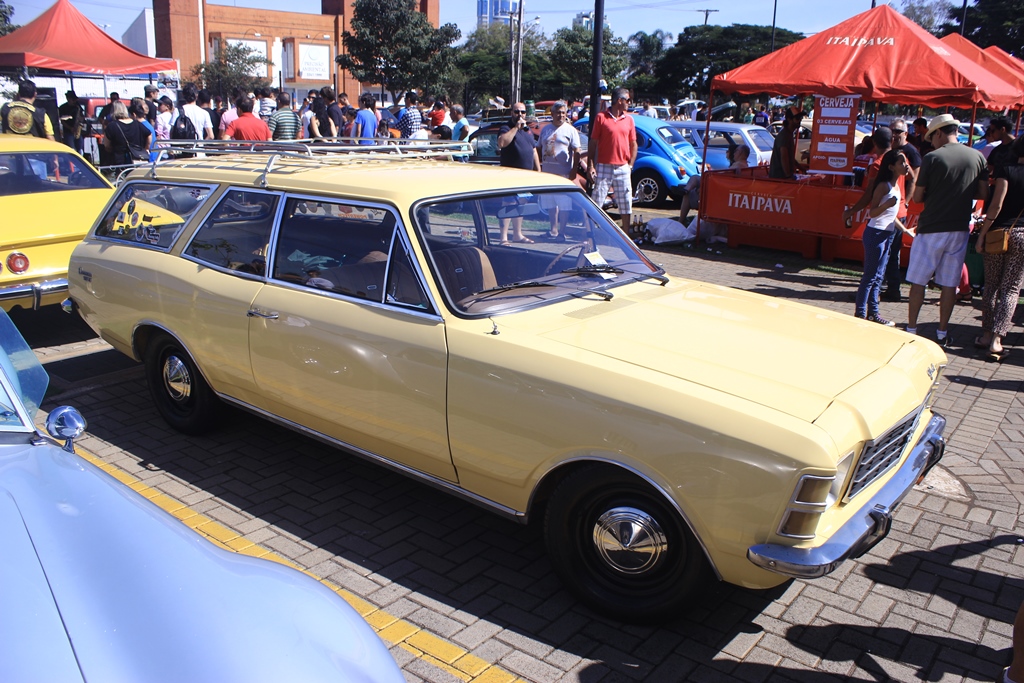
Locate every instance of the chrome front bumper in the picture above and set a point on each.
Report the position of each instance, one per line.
(865, 529)
(33, 292)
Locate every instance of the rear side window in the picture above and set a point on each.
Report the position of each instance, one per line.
(763, 140)
(236, 235)
(36, 172)
(151, 214)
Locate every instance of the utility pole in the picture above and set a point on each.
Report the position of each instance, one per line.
(775, 11)
(706, 13)
(963, 20)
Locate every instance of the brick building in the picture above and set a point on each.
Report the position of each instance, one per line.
(302, 47)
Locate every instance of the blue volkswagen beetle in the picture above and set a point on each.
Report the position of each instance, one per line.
(664, 161)
(99, 584)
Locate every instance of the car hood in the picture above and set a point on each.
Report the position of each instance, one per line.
(33, 219)
(107, 586)
(791, 357)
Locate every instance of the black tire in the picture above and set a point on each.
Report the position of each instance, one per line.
(649, 189)
(652, 583)
(180, 393)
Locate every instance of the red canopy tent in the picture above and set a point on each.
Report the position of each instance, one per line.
(63, 38)
(1008, 60)
(986, 60)
(878, 54)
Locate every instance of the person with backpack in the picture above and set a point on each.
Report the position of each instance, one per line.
(22, 117)
(193, 123)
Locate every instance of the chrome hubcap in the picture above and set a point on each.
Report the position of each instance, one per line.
(177, 379)
(646, 191)
(630, 541)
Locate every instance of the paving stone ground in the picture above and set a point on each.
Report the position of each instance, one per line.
(933, 602)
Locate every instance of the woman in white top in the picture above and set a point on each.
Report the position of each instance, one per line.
(878, 237)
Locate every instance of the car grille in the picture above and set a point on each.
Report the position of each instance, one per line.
(880, 454)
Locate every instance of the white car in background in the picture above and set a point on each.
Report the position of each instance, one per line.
(725, 136)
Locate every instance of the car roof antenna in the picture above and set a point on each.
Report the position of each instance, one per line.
(494, 328)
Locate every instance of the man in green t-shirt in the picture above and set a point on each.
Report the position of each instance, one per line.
(950, 179)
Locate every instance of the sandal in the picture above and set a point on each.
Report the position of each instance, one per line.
(524, 240)
(979, 344)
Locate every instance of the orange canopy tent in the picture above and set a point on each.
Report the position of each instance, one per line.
(1008, 60)
(878, 54)
(987, 60)
(63, 38)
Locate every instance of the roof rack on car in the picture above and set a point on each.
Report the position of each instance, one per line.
(299, 154)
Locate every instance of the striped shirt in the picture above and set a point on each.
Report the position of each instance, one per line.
(284, 125)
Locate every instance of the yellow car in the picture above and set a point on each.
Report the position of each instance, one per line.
(49, 198)
(419, 313)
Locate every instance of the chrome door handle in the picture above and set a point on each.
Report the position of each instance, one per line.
(257, 313)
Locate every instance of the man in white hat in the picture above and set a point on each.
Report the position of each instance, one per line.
(949, 181)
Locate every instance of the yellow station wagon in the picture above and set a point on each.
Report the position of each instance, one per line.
(49, 198)
(660, 427)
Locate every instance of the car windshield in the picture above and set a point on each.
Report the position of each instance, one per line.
(763, 140)
(33, 172)
(497, 253)
(23, 379)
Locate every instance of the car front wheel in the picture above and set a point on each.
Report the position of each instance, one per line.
(180, 393)
(621, 548)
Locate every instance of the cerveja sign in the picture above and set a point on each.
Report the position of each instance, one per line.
(832, 135)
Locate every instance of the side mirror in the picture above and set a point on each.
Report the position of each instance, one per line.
(66, 423)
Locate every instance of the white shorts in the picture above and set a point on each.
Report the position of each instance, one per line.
(618, 178)
(940, 254)
(555, 201)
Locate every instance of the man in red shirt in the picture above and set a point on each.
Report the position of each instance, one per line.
(246, 126)
(612, 154)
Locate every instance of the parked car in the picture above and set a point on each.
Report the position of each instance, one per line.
(963, 134)
(383, 305)
(688, 108)
(664, 161)
(49, 198)
(725, 136)
(100, 584)
(484, 141)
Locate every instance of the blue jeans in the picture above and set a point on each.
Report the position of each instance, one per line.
(877, 244)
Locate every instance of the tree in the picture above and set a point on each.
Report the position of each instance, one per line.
(990, 22)
(483, 66)
(573, 56)
(645, 49)
(6, 12)
(702, 52)
(392, 44)
(928, 14)
(234, 66)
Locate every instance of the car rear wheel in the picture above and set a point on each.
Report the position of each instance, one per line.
(180, 393)
(648, 188)
(621, 548)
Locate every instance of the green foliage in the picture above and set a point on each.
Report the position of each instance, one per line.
(573, 56)
(702, 52)
(233, 66)
(6, 12)
(484, 67)
(928, 14)
(392, 44)
(990, 22)
(645, 49)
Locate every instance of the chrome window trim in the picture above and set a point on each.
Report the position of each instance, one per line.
(400, 230)
(271, 237)
(142, 245)
(26, 426)
(399, 308)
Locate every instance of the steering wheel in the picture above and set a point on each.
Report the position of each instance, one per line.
(554, 261)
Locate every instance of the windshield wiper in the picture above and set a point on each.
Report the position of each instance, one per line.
(654, 276)
(607, 296)
(593, 269)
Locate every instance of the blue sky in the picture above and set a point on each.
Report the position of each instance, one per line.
(624, 16)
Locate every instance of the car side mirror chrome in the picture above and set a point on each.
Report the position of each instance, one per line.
(66, 423)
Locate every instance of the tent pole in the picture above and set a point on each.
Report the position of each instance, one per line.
(970, 133)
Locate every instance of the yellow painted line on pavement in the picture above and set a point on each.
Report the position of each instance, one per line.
(426, 646)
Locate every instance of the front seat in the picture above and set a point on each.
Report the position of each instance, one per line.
(464, 271)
